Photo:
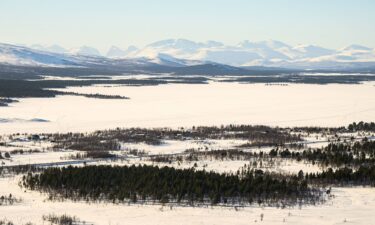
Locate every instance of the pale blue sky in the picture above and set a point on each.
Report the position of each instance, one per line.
(102, 23)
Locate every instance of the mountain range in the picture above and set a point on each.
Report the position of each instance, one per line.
(182, 52)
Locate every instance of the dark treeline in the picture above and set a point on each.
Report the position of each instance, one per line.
(7, 101)
(335, 154)
(259, 144)
(101, 96)
(364, 175)
(111, 139)
(89, 143)
(362, 126)
(322, 130)
(38, 88)
(193, 155)
(162, 185)
(93, 155)
(13, 72)
(20, 169)
(305, 79)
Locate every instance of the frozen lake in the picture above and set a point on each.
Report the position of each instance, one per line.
(176, 105)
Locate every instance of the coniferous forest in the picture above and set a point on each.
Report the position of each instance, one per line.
(163, 185)
(343, 161)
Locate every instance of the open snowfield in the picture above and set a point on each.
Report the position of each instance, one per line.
(173, 146)
(176, 105)
(349, 206)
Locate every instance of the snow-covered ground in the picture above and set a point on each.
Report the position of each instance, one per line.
(37, 158)
(176, 105)
(349, 206)
(174, 146)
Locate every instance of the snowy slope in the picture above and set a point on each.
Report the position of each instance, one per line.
(85, 50)
(24, 56)
(263, 53)
(182, 52)
(116, 52)
(17, 55)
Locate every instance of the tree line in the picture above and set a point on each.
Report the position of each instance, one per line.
(163, 185)
(335, 154)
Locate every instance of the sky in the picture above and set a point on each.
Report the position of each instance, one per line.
(102, 23)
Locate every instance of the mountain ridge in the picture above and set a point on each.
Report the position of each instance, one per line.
(183, 52)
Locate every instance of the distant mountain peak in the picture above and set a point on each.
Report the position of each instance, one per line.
(356, 47)
(312, 51)
(272, 44)
(85, 51)
(114, 52)
(117, 52)
(52, 48)
(176, 43)
(211, 43)
(183, 52)
(132, 48)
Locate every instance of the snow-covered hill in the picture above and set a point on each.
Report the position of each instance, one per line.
(263, 53)
(85, 50)
(44, 56)
(83, 56)
(116, 52)
(182, 52)
(19, 55)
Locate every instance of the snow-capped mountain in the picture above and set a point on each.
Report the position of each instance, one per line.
(52, 48)
(116, 52)
(263, 53)
(356, 48)
(85, 50)
(311, 51)
(182, 52)
(25, 56)
(82, 57)
(19, 55)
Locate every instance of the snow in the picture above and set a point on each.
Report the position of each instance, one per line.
(176, 105)
(52, 48)
(116, 52)
(311, 51)
(37, 158)
(186, 105)
(173, 146)
(353, 205)
(263, 53)
(85, 50)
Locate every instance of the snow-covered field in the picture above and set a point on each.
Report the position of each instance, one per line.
(174, 146)
(176, 105)
(349, 206)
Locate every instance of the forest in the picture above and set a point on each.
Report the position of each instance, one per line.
(362, 126)
(144, 184)
(308, 79)
(10, 88)
(111, 139)
(344, 160)
(335, 154)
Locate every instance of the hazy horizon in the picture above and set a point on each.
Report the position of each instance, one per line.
(104, 51)
(332, 24)
(225, 112)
